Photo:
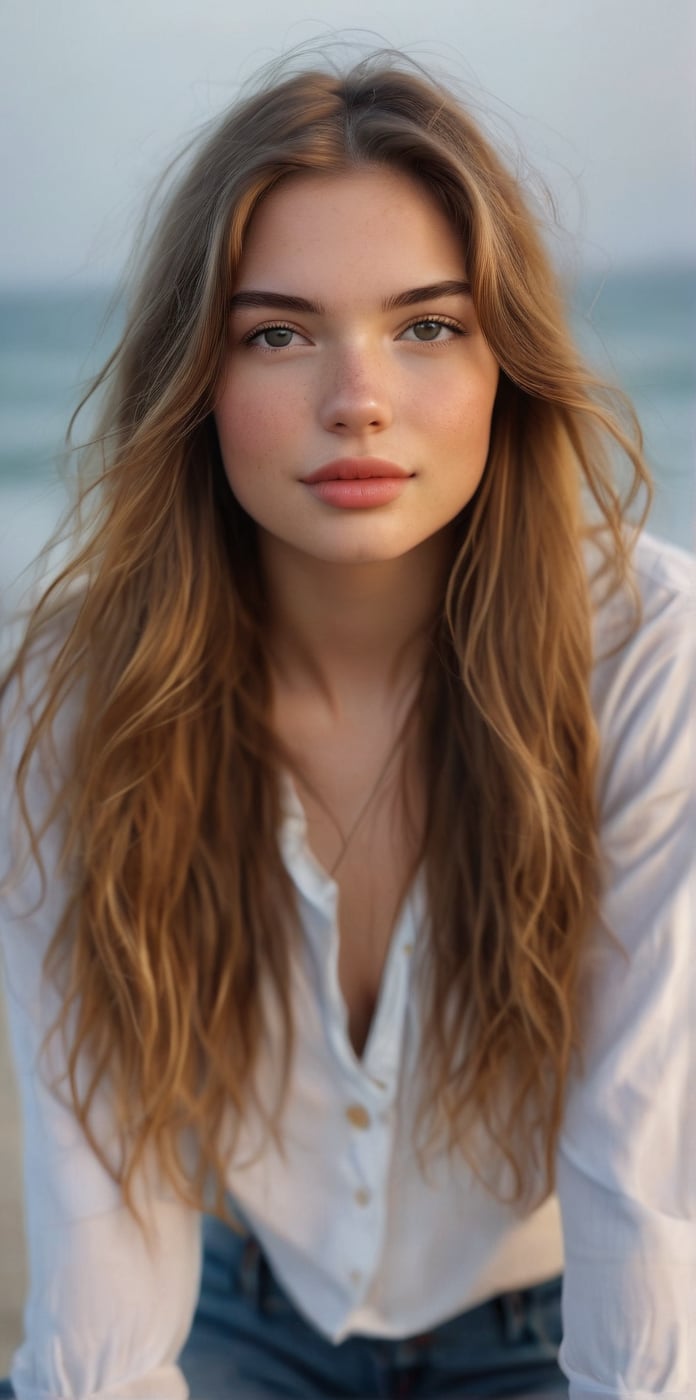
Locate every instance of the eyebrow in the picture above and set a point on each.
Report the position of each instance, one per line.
(283, 301)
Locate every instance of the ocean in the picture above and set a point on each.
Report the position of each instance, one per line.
(635, 326)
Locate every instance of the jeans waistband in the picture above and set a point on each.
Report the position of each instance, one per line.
(255, 1278)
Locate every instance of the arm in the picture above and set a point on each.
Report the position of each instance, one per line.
(626, 1164)
(106, 1316)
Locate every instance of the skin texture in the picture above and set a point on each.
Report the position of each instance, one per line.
(355, 379)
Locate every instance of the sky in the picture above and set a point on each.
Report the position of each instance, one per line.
(596, 96)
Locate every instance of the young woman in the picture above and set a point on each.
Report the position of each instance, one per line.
(350, 763)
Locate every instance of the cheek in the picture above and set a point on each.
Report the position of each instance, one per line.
(462, 412)
(479, 403)
(249, 426)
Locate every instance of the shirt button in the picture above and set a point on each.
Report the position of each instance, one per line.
(355, 1277)
(408, 947)
(358, 1116)
(362, 1196)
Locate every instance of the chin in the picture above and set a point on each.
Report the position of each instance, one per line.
(362, 554)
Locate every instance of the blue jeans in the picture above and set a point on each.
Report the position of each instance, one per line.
(248, 1342)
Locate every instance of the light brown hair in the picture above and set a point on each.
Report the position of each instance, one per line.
(180, 909)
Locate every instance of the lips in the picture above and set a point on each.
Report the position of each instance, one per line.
(356, 469)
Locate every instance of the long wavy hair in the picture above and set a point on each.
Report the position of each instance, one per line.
(179, 914)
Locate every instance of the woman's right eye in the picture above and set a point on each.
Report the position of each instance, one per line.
(276, 337)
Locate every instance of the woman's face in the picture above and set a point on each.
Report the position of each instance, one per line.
(353, 341)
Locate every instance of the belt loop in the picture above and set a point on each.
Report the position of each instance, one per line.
(265, 1284)
(514, 1314)
(250, 1271)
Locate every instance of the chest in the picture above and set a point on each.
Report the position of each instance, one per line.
(372, 878)
(364, 829)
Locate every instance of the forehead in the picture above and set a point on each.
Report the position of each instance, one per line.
(370, 226)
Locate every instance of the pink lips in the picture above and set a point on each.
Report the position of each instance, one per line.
(357, 483)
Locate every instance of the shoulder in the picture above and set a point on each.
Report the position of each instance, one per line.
(666, 580)
(25, 688)
(663, 577)
(35, 748)
(644, 674)
(666, 568)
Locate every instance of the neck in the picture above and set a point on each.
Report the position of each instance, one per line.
(352, 634)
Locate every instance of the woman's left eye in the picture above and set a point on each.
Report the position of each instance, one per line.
(428, 330)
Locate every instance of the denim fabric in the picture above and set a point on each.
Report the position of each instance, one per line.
(248, 1342)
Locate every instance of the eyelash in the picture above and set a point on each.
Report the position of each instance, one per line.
(418, 321)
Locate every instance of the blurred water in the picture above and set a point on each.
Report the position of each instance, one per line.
(636, 327)
(639, 329)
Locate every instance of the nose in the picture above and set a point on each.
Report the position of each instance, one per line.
(356, 396)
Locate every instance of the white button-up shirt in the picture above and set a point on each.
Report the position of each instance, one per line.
(360, 1237)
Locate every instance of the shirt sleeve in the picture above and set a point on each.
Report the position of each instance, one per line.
(108, 1310)
(626, 1162)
